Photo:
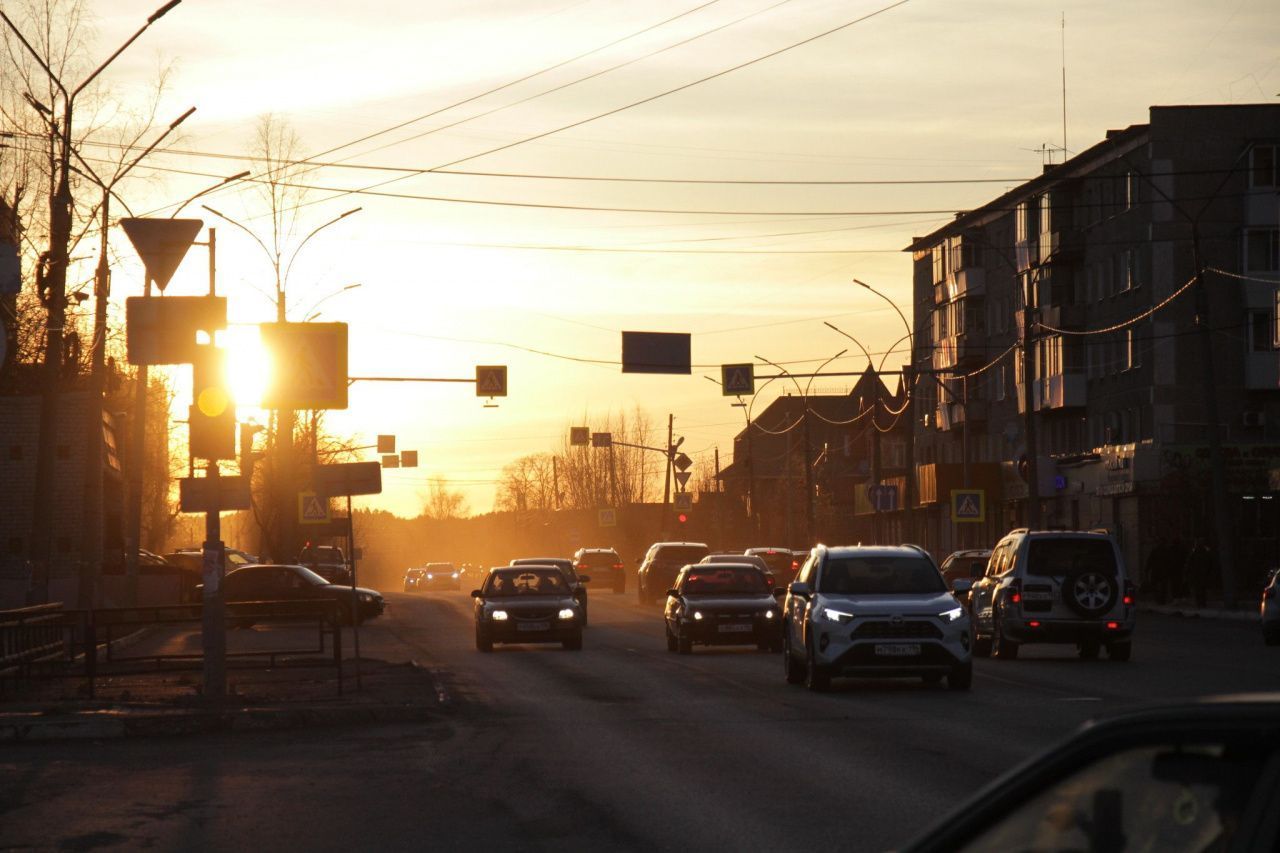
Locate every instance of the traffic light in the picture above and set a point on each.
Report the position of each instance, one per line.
(212, 419)
(682, 517)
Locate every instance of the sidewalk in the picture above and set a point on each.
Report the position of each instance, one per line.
(149, 702)
(1244, 612)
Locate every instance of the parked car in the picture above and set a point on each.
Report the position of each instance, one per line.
(1187, 777)
(527, 604)
(1054, 586)
(758, 562)
(782, 562)
(722, 604)
(577, 582)
(328, 561)
(1271, 610)
(293, 583)
(873, 611)
(660, 565)
(971, 564)
(193, 558)
(604, 564)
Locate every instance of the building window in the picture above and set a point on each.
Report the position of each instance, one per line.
(1262, 329)
(1130, 350)
(939, 263)
(1262, 249)
(1263, 167)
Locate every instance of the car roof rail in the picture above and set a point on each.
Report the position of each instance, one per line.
(1021, 530)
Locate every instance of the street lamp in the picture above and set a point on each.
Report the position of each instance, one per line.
(222, 183)
(314, 308)
(56, 301)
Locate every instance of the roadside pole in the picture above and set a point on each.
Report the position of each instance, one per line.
(213, 623)
(355, 596)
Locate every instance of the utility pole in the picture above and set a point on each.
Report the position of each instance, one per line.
(808, 478)
(555, 479)
(877, 472)
(909, 487)
(1032, 519)
(666, 483)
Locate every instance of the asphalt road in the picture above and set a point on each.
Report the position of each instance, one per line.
(620, 746)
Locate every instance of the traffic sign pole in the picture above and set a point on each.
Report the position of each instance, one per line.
(213, 613)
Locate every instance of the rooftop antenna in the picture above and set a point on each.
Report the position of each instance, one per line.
(1064, 87)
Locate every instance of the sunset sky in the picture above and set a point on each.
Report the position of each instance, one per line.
(466, 269)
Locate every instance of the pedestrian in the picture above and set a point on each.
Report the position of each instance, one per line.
(1198, 569)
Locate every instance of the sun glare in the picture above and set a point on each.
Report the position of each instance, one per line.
(248, 365)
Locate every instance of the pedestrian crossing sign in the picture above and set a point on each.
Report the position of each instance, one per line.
(312, 509)
(968, 505)
(491, 380)
(737, 379)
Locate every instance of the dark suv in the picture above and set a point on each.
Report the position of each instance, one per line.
(327, 561)
(605, 566)
(661, 564)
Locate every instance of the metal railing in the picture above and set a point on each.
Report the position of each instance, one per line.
(49, 642)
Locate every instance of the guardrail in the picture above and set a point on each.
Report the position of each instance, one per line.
(49, 642)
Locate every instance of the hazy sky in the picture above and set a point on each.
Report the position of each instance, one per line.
(928, 90)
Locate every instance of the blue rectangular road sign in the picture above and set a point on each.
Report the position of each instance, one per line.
(656, 352)
(968, 505)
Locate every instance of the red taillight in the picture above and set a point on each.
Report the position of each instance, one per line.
(1130, 593)
(1112, 626)
(581, 566)
(1015, 591)
(795, 565)
(618, 566)
(1033, 624)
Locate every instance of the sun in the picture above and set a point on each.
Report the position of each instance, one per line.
(248, 365)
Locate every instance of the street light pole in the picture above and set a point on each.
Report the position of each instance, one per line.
(52, 278)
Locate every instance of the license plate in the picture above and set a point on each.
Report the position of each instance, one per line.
(1037, 596)
(735, 629)
(897, 650)
(533, 626)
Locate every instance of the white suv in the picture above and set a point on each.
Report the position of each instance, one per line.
(873, 611)
(1053, 586)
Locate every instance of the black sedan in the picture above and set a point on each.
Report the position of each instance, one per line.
(577, 582)
(527, 604)
(295, 583)
(722, 604)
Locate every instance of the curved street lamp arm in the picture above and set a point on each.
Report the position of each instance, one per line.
(255, 237)
(313, 233)
(39, 59)
(786, 373)
(222, 183)
(840, 331)
(809, 384)
(884, 358)
(894, 306)
(155, 16)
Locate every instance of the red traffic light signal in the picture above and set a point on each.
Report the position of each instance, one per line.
(682, 518)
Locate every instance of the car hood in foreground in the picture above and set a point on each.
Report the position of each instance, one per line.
(929, 604)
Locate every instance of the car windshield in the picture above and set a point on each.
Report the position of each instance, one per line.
(564, 565)
(776, 559)
(1060, 557)
(598, 558)
(880, 576)
(238, 559)
(530, 581)
(724, 580)
(681, 554)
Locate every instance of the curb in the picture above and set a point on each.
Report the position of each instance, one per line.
(1202, 613)
(104, 725)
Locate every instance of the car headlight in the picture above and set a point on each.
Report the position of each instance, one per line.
(455, 575)
(364, 596)
(498, 616)
(833, 615)
(697, 615)
(567, 613)
(431, 577)
(951, 615)
(768, 614)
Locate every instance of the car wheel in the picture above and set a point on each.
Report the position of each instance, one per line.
(684, 645)
(484, 642)
(671, 640)
(793, 671)
(816, 676)
(1002, 648)
(960, 677)
(1120, 651)
(574, 643)
(1090, 593)
(1089, 650)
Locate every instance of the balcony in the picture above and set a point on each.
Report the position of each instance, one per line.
(971, 281)
(1058, 391)
(953, 416)
(1070, 317)
(956, 350)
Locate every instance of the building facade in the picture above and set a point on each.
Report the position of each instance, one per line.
(1147, 269)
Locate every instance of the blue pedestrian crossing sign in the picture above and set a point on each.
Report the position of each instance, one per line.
(737, 379)
(968, 505)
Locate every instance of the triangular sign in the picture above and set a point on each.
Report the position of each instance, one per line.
(162, 244)
(313, 509)
(682, 477)
(968, 507)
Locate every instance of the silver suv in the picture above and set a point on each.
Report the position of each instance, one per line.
(873, 611)
(1054, 586)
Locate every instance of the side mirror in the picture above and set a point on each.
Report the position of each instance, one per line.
(961, 586)
(475, 593)
(673, 591)
(585, 578)
(800, 589)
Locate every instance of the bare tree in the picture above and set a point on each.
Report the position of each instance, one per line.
(443, 503)
(528, 483)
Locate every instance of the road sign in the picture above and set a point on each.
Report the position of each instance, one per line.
(682, 477)
(391, 460)
(162, 329)
(968, 505)
(386, 444)
(213, 494)
(656, 352)
(491, 380)
(579, 436)
(408, 459)
(312, 509)
(681, 461)
(683, 502)
(162, 244)
(309, 365)
(602, 439)
(348, 478)
(607, 517)
(884, 498)
(737, 379)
